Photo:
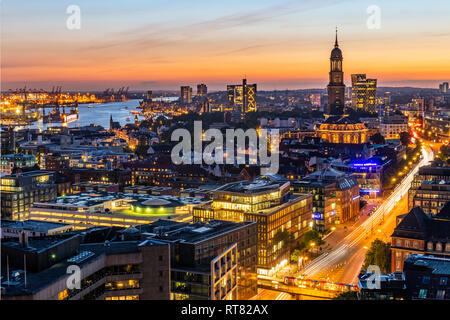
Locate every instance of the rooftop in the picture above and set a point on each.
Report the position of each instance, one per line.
(34, 225)
(259, 185)
(439, 266)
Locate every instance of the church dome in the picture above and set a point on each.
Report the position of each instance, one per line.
(336, 53)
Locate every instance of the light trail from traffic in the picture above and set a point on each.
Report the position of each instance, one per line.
(361, 232)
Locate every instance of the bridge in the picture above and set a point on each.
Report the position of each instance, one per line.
(305, 287)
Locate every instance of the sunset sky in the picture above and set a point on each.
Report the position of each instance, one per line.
(279, 44)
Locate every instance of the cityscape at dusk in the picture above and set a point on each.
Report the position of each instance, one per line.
(233, 153)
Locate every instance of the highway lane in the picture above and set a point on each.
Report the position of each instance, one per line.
(356, 239)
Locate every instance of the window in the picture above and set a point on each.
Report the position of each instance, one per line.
(440, 295)
(423, 293)
(443, 281)
(426, 280)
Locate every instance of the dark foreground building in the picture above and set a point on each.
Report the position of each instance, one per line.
(49, 269)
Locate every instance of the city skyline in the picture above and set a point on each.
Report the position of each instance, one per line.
(279, 45)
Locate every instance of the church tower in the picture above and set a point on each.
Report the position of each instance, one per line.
(336, 87)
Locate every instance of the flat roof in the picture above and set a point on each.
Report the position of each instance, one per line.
(35, 225)
(92, 198)
(259, 185)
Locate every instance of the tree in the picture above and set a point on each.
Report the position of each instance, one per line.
(282, 236)
(349, 295)
(295, 255)
(379, 255)
(141, 150)
(377, 138)
(404, 138)
(310, 237)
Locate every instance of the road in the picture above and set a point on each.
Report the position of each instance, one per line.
(344, 261)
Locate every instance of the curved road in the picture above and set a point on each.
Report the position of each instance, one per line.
(344, 262)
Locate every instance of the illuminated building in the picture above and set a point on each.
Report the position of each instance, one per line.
(214, 260)
(149, 96)
(20, 191)
(242, 96)
(335, 197)
(202, 90)
(392, 126)
(32, 228)
(364, 93)
(336, 87)
(17, 160)
(430, 188)
(111, 270)
(315, 99)
(269, 202)
(443, 88)
(112, 209)
(186, 94)
(341, 129)
(369, 174)
(439, 124)
(420, 233)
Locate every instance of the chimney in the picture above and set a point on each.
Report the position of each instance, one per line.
(23, 239)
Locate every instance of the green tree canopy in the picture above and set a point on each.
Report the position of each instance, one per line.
(379, 255)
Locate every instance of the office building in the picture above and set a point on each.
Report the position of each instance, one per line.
(268, 201)
(392, 126)
(202, 90)
(32, 228)
(112, 209)
(431, 185)
(335, 197)
(21, 190)
(37, 269)
(443, 88)
(242, 97)
(364, 93)
(186, 94)
(214, 260)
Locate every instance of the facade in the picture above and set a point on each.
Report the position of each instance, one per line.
(392, 286)
(431, 196)
(438, 123)
(433, 182)
(364, 93)
(242, 97)
(124, 270)
(341, 129)
(421, 234)
(186, 94)
(214, 260)
(392, 126)
(32, 228)
(279, 214)
(202, 90)
(335, 197)
(427, 277)
(369, 174)
(16, 160)
(21, 190)
(336, 87)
